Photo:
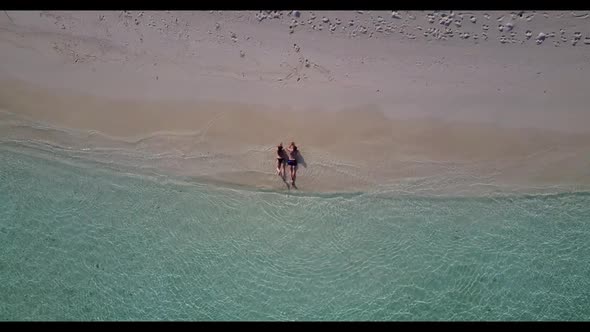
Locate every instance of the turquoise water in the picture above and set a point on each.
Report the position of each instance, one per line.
(88, 243)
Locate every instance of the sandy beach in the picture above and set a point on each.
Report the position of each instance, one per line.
(410, 101)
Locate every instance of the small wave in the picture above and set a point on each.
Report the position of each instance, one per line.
(182, 156)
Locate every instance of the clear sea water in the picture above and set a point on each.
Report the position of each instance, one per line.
(79, 242)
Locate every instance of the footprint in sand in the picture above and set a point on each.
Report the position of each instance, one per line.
(540, 38)
(430, 18)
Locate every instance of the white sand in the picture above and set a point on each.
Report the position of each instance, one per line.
(383, 103)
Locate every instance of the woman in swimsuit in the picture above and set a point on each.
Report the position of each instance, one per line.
(292, 161)
(280, 160)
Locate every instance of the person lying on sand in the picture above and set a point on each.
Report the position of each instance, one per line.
(280, 160)
(292, 161)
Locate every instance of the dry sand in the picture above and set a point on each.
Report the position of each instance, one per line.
(409, 101)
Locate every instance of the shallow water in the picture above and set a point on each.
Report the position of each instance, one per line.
(82, 242)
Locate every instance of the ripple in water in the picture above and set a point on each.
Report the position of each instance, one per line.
(83, 243)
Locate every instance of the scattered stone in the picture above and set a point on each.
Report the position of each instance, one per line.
(587, 40)
(485, 27)
(510, 26)
(242, 54)
(528, 34)
(473, 19)
(395, 14)
(325, 19)
(296, 13)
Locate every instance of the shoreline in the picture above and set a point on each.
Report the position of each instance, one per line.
(84, 165)
(345, 150)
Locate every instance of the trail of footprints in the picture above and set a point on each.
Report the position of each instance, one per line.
(509, 28)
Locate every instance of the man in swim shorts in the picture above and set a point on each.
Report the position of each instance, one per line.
(292, 161)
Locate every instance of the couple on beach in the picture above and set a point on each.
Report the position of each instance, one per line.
(291, 154)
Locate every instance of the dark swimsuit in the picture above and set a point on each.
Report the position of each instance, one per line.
(292, 162)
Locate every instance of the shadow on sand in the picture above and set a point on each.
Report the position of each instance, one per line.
(300, 161)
